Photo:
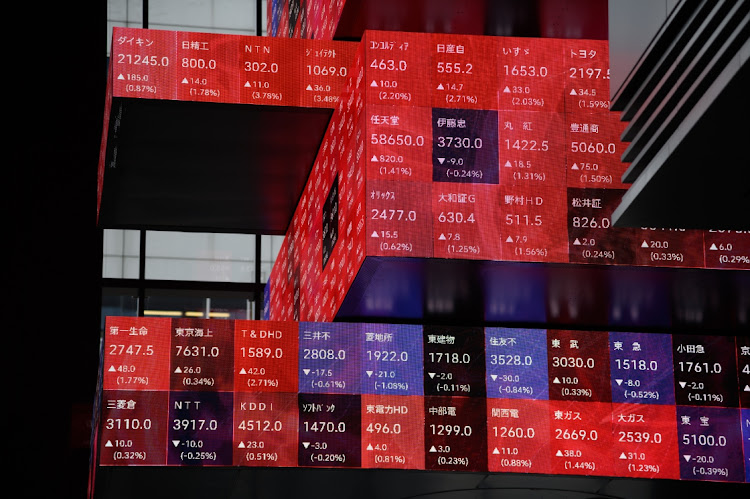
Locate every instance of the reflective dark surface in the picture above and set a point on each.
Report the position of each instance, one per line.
(549, 295)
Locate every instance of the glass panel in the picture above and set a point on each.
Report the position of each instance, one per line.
(173, 304)
(269, 250)
(123, 13)
(121, 302)
(120, 253)
(192, 256)
(198, 304)
(225, 307)
(236, 17)
(264, 6)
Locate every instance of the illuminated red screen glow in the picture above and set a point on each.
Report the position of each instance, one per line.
(439, 146)
(490, 148)
(317, 394)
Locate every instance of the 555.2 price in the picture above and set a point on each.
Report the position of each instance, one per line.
(455, 68)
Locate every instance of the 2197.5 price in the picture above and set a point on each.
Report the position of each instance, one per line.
(588, 73)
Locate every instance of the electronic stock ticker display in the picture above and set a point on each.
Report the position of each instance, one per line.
(210, 392)
(475, 148)
(460, 147)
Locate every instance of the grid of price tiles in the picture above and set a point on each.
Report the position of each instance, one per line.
(467, 147)
(210, 392)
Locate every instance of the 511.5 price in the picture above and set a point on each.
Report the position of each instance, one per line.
(511, 219)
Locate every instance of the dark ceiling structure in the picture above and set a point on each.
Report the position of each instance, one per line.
(685, 101)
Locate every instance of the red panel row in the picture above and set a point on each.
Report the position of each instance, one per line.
(520, 163)
(214, 392)
(231, 69)
(483, 72)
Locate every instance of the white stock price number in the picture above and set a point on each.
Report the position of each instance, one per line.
(197, 351)
(384, 428)
(396, 139)
(260, 425)
(394, 214)
(195, 63)
(128, 424)
(451, 430)
(510, 360)
(576, 362)
(325, 426)
(387, 355)
(262, 352)
(513, 432)
(324, 354)
(195, 424)
(450, 357)
(317, 70)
